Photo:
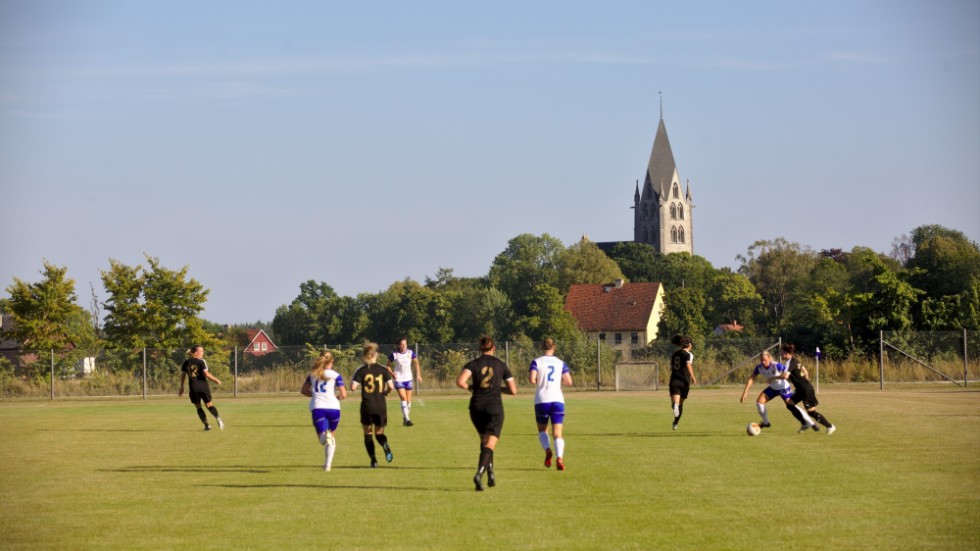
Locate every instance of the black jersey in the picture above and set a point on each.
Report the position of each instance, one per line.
(195, 369)
(489, 374)
(796, 378)
(678, 366)
(374, 380)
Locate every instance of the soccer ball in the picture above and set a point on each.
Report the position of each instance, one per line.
(753, 429)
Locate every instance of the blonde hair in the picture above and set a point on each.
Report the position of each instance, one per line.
(370, 352)
(321, 365)
(190, 351)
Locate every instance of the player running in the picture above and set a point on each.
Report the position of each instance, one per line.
(375, 383)
(548, 373)
(196, 369)
(681, 375)
(485, 376)
(802, 389)
(322, 386)
(400, 363)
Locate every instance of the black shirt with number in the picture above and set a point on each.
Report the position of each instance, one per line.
(195, 369)
(678, 366)
(488, 373)
(374, 380)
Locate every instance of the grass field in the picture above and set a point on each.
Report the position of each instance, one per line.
(902, 472)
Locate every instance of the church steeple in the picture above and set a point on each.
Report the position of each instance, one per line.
(662, 210)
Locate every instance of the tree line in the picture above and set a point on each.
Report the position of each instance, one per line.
(834, 299)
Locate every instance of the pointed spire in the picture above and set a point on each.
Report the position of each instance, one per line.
(661, 94)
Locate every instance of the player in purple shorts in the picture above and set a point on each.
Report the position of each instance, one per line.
(322, 386)
(547, 373)
(400, 363)
(777, 376)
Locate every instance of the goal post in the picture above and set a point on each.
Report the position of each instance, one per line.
(637, 375)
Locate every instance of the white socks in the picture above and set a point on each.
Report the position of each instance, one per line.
(560, 447)
(406, 409)
(545, 441)
(762, 412)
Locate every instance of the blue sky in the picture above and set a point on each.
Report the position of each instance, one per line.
(263, 144)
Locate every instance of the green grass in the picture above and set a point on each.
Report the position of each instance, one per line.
(902, 472)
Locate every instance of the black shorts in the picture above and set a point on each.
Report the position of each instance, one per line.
(198, 396)
(488, 421)
(679, 387)
(374, 418)
(805, 395)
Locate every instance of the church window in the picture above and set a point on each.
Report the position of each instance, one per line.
(646, 211)
(646, 235)
(673, 211)
(680, 212)
(680, 235)
(676, 192)
(673, 235)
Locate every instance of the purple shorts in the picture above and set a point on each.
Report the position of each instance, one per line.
(407, 385)
(555, 411)
(325, 419)
(772, 393)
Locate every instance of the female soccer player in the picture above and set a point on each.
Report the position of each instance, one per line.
(778, 378)
(485, 377)
(322, 386)
(681, 375)
(401, 363)
(802, 389)
(375, 381)
(196, 369)
(548, 373)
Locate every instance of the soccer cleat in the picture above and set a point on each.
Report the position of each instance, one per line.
(764, 425)
(221, 424)
(673, 426)
(207, 427)
(388, 455)
(478, 480)
(559, 464)
(803, 429)
(374, 463)
(326, 468)
(547, 457)
(831, 429)
(815, 428)
(409, 423)
(491, 479)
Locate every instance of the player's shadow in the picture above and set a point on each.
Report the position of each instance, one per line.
(370, 487)
(250, 469)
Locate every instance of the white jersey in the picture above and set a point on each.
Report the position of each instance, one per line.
(324, 392)
(403, 364)
(550, 370)
(775, 369)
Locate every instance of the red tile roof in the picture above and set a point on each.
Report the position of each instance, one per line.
(610, 308)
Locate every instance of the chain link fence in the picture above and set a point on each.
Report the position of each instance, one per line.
(927, 357)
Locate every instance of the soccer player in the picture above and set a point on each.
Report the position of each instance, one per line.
(548, 373)
(375, 383)
(196, 370)
(322, 386)
(777, 376)
(681, 375)
(403, 360)
(802, 389)
(485, 377)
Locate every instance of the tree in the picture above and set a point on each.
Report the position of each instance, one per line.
(683, 313)
(584, 262)
(45, 314)
(409, 310)
(776, 268)
(881, 298)
(945, 265)
(528, 261)
(731, 297)
(636, 260)
(546, 316)
(153, 308)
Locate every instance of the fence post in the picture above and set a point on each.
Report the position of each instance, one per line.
(965, 362)
(598, 364)
(236, 370)
(507, 352)
(418, 354)
(52, 373)
(881, 359)
(144, 373)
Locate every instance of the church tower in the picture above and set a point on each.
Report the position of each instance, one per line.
(662, 210)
